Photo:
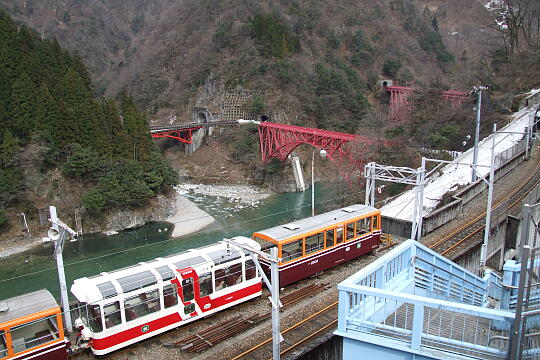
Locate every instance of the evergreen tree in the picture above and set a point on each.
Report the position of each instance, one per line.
(46, 91)
(8, 149)
(22, 107)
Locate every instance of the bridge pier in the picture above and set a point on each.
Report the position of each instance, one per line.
(199, 115)
(298, 174)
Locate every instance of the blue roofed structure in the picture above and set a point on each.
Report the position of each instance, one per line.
(413, 303)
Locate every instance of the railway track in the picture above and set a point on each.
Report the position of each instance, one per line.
(459, 240)
(296, 335)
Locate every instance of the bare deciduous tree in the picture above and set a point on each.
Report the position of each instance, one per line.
(518, 22)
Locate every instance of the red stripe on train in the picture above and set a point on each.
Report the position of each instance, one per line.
(157, 324)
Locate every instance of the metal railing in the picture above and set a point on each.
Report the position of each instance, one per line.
(424, 271)
(420, 322)
(416, 298)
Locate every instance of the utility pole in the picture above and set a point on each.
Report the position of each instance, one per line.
(323, 155)
(57, 234)
(477, 132)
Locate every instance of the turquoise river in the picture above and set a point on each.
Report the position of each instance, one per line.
(94, 253)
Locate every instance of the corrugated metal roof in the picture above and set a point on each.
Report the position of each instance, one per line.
(287, 231)
(28, 304)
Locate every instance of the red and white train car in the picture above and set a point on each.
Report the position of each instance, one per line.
(314, 244)
(123, 307)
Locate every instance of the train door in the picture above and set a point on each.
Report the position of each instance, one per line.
(188, 294)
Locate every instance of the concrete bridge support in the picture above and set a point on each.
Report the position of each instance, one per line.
(298, 174)
(200, 115)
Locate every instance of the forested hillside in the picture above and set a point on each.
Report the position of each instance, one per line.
(49, 119)
(318, 61)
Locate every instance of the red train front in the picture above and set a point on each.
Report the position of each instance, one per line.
(126, 306)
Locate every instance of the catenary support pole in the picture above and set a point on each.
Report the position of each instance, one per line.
(529, 134)
(276, 334)
(313, 183)
(483, 255)
(58, 248)
(477, 134)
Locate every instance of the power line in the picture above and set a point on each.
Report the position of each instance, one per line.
(194, 233)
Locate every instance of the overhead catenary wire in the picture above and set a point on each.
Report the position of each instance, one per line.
(407, 202)
(195, 233)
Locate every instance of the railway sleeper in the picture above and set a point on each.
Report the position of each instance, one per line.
(207, 338)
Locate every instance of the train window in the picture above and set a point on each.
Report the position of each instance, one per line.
(142, 304)
(219, 276)
(170, 295)
(224, 255)
(265, 244)
(94, 318)
(205, 284)
(182, 264)
(34, 333)
(291, 250)
(330, 241)
(314, 243)
(3, 348)
(107, 289)
(251, 270)
(363, 226)
(189, 308)
(165, 272)
(350, 231)
(375, 223)
(187, 289)
(111, 313)
(83, 313)
(339, 235)
(137, 281)
(233, 274)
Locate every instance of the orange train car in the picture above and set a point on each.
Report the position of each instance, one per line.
(31, 328)
(312, 245)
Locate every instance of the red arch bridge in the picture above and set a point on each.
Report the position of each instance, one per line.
(348, 151)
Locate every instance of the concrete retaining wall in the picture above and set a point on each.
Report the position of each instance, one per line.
(331, 349)
(397, 227)
(509, 160)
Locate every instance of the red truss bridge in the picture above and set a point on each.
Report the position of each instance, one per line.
(184, 132)
(347, 151)
(400, 103)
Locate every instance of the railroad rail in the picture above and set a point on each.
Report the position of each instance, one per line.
(454, 243)
(302, 293)
(296, 335)
(212, 335)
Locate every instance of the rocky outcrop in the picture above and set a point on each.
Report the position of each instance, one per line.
(159, 209)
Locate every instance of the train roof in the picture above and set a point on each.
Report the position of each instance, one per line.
(27, 304)
(286, 231)
(109, 284)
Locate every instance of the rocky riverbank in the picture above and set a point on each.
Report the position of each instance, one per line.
(179, 210)
(242, 195)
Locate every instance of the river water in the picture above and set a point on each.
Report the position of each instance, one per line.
(94, 253)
